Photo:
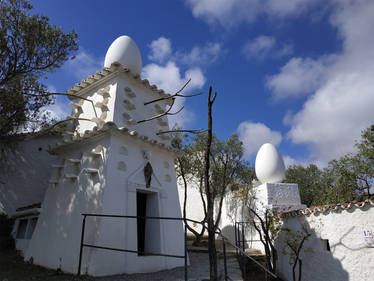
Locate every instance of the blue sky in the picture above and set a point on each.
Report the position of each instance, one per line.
(296, 73)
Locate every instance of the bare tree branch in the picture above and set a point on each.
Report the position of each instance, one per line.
(45, 94)
(163, 114)
(198, 131)
(67, 120)
(176, 94)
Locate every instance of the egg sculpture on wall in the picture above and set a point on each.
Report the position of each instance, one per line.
(124, 50)
(269, 164)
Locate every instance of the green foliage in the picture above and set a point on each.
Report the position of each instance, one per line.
(268, 226)
(349, 178)
(311, 183)
(228, 172)
(30, 47)
(228, 169)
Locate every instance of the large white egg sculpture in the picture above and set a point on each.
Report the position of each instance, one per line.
(124, 50)
(269, 164)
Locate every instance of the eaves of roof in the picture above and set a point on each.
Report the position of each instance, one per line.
(109, 127)
(328, 208)
(108, 73)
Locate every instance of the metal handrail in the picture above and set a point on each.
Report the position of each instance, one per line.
(202, 223)
(248, 256)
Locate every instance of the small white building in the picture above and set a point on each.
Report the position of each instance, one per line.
(107, 163)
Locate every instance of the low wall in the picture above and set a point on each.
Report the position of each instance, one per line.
(340, 246)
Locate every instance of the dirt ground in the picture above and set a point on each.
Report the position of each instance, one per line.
(13, 268)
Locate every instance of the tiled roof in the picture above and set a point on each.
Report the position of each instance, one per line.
(109, 126)
(107, 73)
(329, 208)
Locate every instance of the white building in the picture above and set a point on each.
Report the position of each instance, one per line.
(107, 163)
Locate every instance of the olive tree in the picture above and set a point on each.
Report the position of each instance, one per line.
(30, 47)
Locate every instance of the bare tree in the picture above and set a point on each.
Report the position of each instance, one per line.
(294, 243)
(268, 226)
(210, 197)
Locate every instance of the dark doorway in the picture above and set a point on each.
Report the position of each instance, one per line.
(141, 210)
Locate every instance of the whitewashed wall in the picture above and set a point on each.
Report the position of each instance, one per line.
(24, 171)
(350, 257)
(124, 178)
(56, 239)
(232, 211)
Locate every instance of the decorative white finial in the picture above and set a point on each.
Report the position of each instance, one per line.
(124, 51)
(269, 164)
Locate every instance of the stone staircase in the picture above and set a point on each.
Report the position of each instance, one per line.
(200, 263)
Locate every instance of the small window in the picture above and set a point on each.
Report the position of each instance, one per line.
(21, 231)
(31, 228)
(325, 245)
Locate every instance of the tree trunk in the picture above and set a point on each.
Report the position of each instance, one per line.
(194, 232)
(210, 196)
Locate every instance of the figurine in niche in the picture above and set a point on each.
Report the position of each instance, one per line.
(148, 170)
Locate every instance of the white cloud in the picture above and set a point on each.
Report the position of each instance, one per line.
(170, 79)
(288, 8)
(59, 110)
(83, 65)
(233, 12)
(168, 67)
(285, 50)
(299, 77)
(259, 46)
(265, 46)
(289, 161)
(253, 135)
(342, 106)
(200, 56)
(160, 49)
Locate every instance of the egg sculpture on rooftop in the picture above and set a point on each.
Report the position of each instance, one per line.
(269, 164)
(124, 50)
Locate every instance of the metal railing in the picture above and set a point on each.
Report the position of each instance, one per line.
(240, 241)
(218, 232)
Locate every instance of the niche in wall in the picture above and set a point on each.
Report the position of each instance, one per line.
(325, 245)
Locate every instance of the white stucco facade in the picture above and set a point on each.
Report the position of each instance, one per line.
(99, 167)
(348, 230)
(22, 182)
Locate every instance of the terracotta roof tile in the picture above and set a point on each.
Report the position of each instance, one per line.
(331, 207)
